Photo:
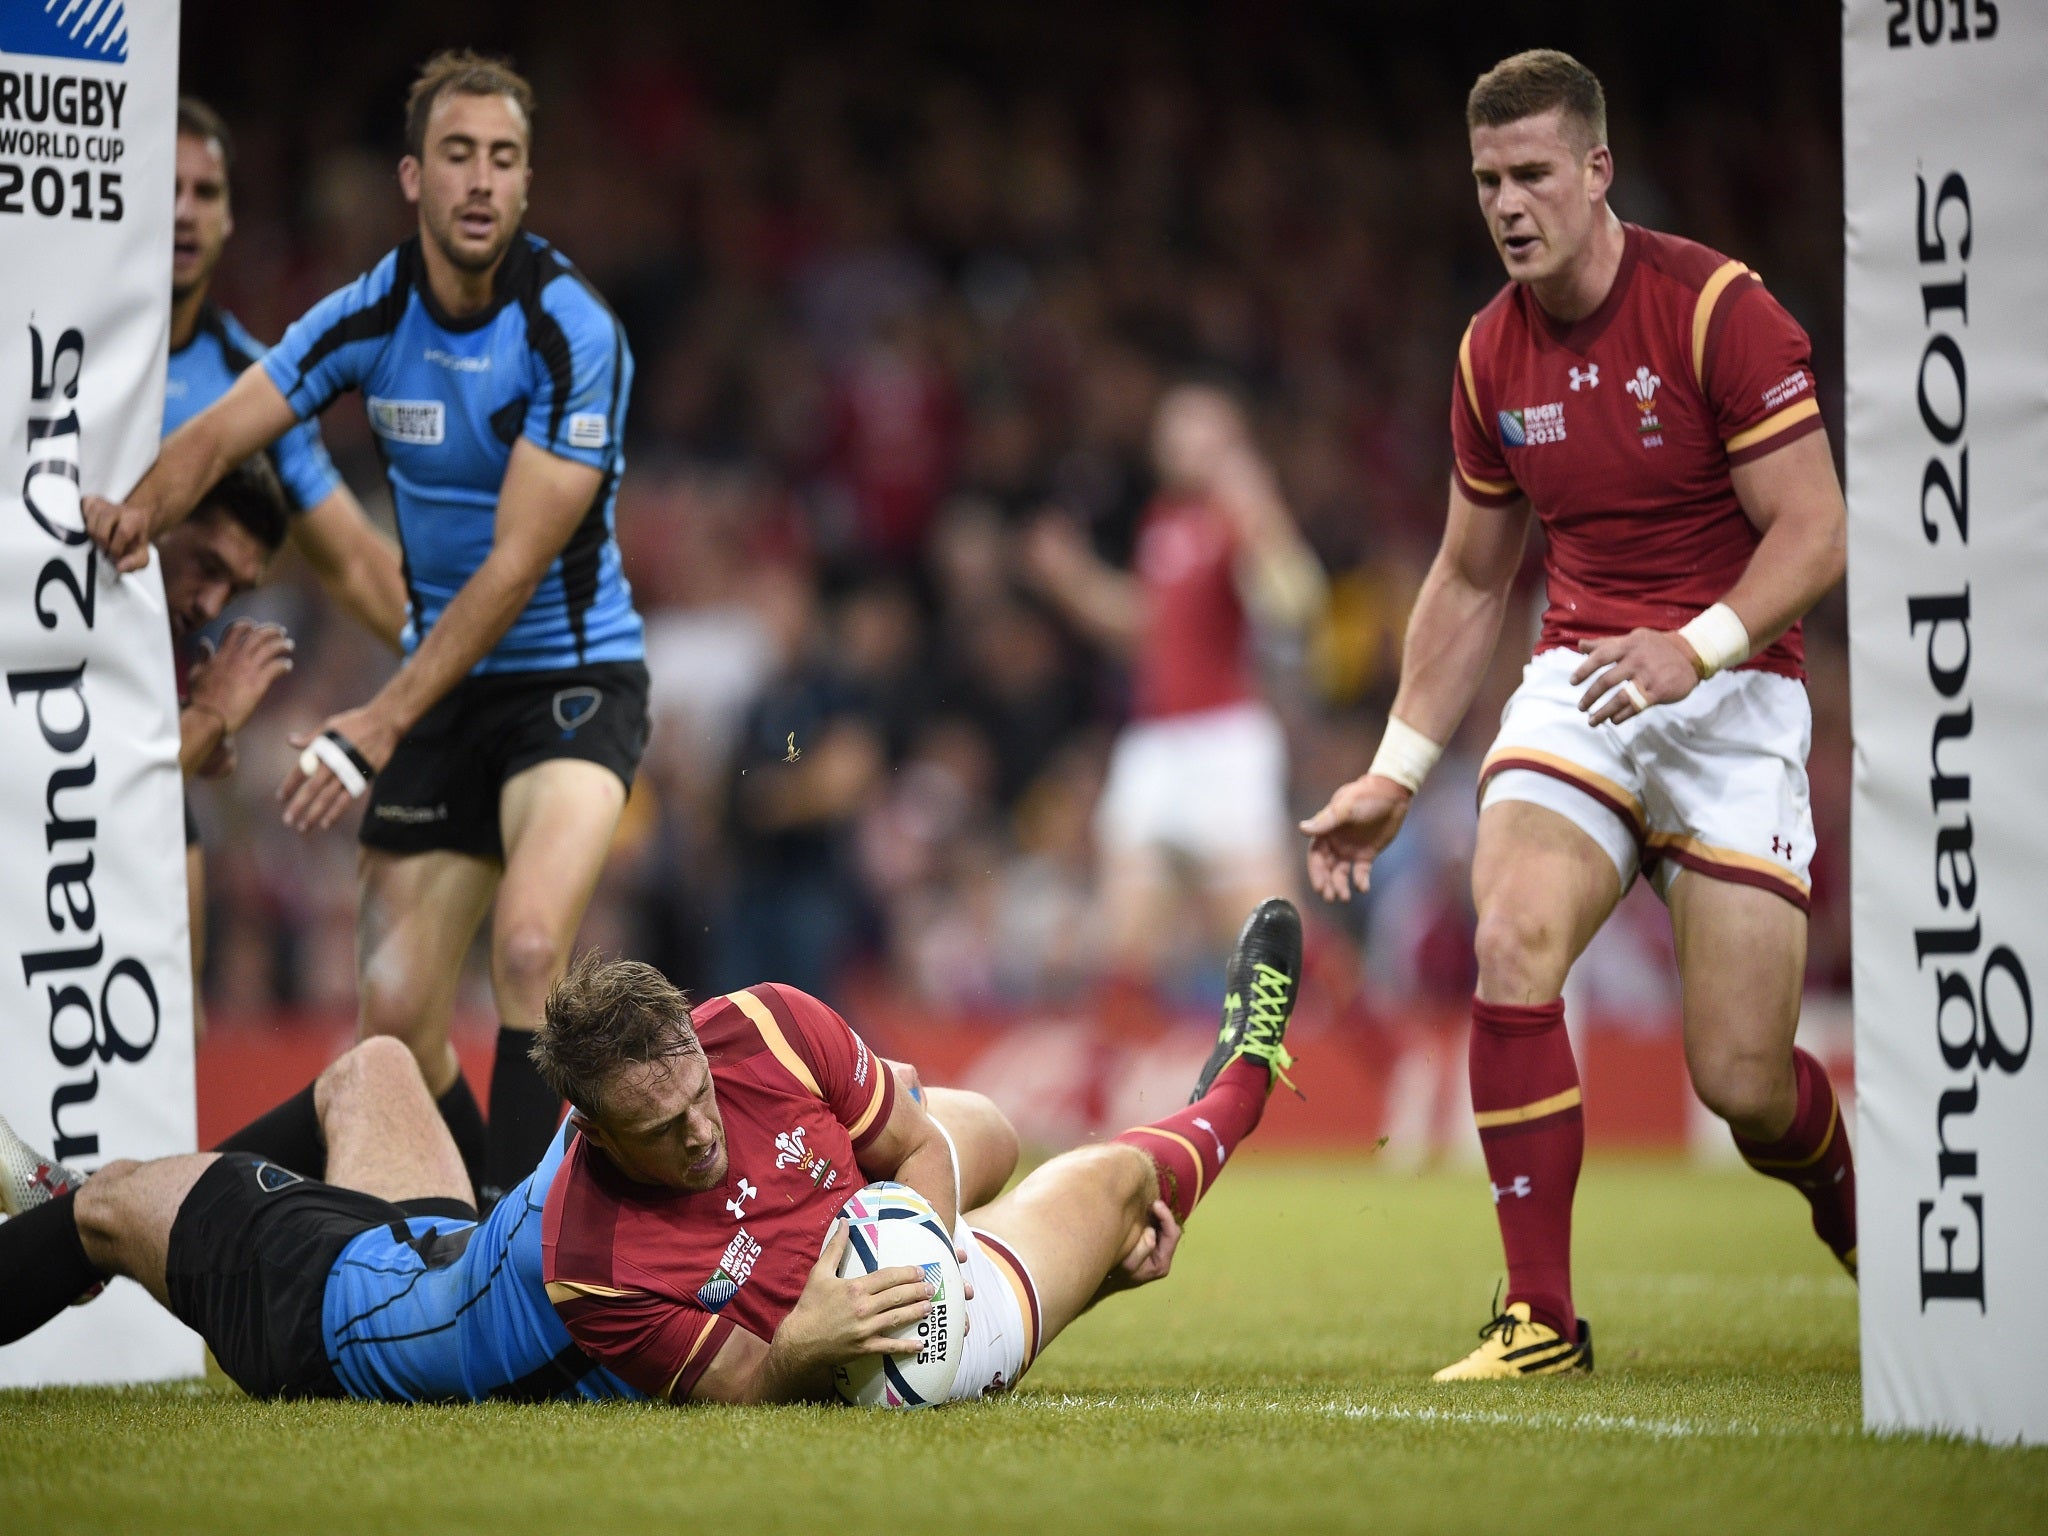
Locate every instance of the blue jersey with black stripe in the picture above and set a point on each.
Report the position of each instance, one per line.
(448, 398)
(436, 1310)
(202, 371)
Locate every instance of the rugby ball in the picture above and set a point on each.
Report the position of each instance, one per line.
(888, 1224)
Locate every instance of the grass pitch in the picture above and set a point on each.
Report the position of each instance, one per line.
(1278, 1381)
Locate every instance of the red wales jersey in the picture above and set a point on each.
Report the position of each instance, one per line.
(1621, 430)
(650, 1281)
(1191, 649)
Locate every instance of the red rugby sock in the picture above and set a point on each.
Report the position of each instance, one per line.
(1189, 1148)
(1813, 1156)
(1525, 1097)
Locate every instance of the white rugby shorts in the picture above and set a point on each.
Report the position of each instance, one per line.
(1714, 783)
(1002, 1328)
(1211, 785)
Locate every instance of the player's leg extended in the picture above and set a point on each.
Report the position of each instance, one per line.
(1741, 964)
(1542, 887)
(384, 1135)
(1075, 1219)
(417, 916)
(57, 1250)
(1071, 1221)
(558, 818)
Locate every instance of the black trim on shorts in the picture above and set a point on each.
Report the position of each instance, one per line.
(440, 791)
(247, 1265)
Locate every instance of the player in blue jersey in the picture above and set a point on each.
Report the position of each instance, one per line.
(375, 1280)
(503, 749)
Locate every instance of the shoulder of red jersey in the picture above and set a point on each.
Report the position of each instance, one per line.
(1750, 359)
(1483, 475)
(810, 1044)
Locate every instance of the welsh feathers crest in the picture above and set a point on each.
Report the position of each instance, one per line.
(1644, 387)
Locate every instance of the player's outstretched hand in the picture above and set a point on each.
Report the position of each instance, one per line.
(121, 531)
(1628, 673)
(1346, 835)
(231, 679)
(313, 794)
(836, 1320)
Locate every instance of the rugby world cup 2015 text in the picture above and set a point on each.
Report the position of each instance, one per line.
(74, 120)
(1983, 1010)
(98, 1015)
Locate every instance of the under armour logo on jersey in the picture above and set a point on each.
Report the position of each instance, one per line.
(573, 706)
(1590, 377)
(738, 1204)
(1782, 847)
(1521, 1189)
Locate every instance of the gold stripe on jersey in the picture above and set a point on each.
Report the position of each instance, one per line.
(777, 1042)
(867, 1116)
(1727, 858)
(1703, 315)
(1505, 758)
(696, 1344)
(1465, 371)
(1556, 1104)
(569, 1290)
(1771, 426)
(1827, 1141)
(1158, 1130)
(1487, 487)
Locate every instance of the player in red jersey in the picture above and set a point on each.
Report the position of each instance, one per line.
(689, 1241)
(1654, 406)
(1200, 772)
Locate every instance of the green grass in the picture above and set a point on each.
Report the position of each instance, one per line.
(1276, 1382)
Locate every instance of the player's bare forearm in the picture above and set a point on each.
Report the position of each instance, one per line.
(357, 565)
(1795, 499)
(540, 504)
(475, 619)
(249, 417)
(1451, 637)
(1106, 603)
(911, 1149)
(201, 730)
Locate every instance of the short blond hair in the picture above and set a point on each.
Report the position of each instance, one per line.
(605, 1015)
(1540, 80)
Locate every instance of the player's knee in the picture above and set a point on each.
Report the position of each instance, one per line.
(528, 959)
(1519, 952)
(102, 1205)
(1741, 1088)
(376, 1067)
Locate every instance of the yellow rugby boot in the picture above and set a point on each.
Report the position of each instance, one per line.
(1514, 1345)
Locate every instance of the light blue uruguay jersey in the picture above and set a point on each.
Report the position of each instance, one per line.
(456, 1311)
(448, 398)
(201, 372)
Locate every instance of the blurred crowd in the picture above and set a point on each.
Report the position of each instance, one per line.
(901, 280)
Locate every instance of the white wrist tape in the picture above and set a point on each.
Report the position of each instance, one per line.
(1718, 638)
(329, 753)
(1405, 755)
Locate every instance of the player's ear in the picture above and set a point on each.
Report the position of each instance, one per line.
(1599, 170)
(409, 178)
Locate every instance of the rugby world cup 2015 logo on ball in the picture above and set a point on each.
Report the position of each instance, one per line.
(887, 1225)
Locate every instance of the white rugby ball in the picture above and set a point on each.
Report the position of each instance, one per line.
(888, 1224)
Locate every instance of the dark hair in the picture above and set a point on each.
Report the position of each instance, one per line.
(467, 74)
(605, 1014)
(1539, 81)
(252, 495)
(196, 120)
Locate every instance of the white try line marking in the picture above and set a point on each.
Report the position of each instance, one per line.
(1377, 1413)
